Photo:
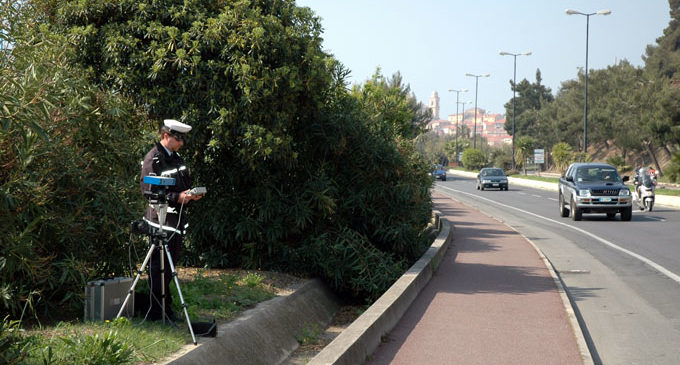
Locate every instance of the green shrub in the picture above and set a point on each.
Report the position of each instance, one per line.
(11, 342)
(473, 159)
(69, 155)
(289, 156)
(562, 156)
(501, 157)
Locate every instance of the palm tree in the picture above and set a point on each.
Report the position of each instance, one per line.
(523, 149)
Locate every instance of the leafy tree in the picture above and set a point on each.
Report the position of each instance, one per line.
(663, 59)
(620, 107)
(433, 148)
(530, 98)
(662, 65)
(301, 175)
(473, 159)
(395, 109)
(464, 141)
(501, 156)
(566, 114)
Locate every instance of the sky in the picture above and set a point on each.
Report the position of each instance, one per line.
(434, 43)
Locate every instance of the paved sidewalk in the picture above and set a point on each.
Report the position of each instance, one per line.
(496, 304)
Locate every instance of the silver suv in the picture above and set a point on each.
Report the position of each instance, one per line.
(594, 188)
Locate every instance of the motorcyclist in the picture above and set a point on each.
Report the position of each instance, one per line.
(645, 176)
(636, 180)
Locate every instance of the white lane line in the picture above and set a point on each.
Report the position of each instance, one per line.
(657, 219)
(647, 261)
(538, 196)
(519, 192)
(553, 199)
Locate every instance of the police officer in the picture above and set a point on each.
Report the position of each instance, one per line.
(163, 160)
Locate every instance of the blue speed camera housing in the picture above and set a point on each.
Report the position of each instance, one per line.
(159, 180)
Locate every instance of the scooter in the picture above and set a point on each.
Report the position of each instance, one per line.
(644, 193)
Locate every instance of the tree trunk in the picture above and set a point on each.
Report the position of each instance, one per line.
(651, 153)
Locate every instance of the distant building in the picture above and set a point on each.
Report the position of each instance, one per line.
(434, 105)
(489, 125)
(441, 127)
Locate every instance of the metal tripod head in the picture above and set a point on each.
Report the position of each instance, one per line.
(162, 212)
(157, 197)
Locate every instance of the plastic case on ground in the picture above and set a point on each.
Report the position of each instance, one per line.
(103, 299)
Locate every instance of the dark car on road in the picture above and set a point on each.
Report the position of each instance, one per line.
(439, 172)
(594, 188)
(492, 177)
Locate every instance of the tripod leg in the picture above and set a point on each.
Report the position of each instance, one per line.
(179, 291)
(163, 292)
(134, 283)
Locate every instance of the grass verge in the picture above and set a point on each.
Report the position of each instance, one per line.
(537, 178)
(209, 294)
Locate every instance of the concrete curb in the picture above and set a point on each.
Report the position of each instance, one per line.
(265, 334)
(665, 200)
(363, 336)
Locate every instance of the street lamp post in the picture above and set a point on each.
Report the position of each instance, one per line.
(463, 103)
(514, 87)
(457, 94)
(585, 106)
(474, 143)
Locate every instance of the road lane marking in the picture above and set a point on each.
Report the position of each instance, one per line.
(656, 219)
(574, 271)
(647, 261)
(538, 196)
(553, 199)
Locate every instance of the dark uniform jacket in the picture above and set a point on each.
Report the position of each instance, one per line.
(158, 161)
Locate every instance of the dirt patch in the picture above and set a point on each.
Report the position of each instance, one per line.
(280, 283)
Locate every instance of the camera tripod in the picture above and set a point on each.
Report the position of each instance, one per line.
(159, 239)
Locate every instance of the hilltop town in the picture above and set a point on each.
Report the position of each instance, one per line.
(490, 126)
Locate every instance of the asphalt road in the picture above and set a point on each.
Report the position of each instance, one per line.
(623, 278)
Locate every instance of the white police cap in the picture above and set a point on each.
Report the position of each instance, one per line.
(176, 126)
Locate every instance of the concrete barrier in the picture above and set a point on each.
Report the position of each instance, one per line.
(362, 337)
(266, 334)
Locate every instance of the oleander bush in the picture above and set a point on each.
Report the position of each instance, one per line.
(303, 175)
(69, 153)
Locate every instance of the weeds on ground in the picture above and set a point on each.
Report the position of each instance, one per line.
(112, 342)
(309, 334)
(223, 297)
(124, 341)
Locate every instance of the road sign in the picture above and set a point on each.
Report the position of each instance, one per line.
(539, 155)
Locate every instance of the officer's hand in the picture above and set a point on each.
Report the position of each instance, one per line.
(186, 197)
